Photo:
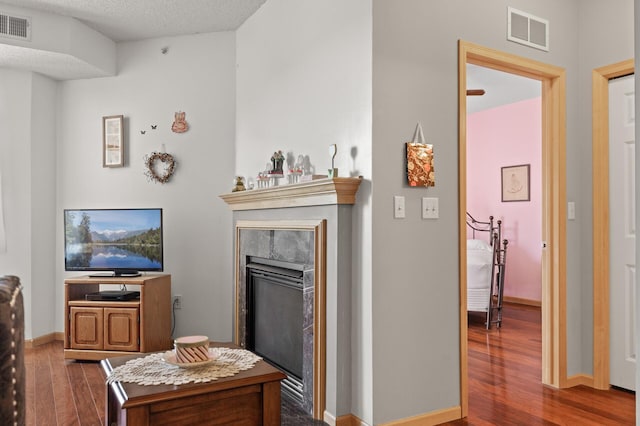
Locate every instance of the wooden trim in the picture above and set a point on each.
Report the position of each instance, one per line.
(521, 301)
(314, 193)
(43, 340)
(433, 418)
(579, 379)
(348, 420)
(319, 319)
(600, 160)
(319, 228)
(554, 188)
(463, 51)
(554, 204)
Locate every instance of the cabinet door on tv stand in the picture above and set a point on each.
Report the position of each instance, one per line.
(87, 328)
(121, 329)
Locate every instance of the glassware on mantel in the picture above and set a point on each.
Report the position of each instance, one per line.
(263, 180)
(294, 175)
(296, 171)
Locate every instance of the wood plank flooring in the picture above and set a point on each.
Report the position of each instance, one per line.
(69, 393)
(505, 380)
(504, 383)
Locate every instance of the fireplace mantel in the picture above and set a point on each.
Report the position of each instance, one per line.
(339, 190)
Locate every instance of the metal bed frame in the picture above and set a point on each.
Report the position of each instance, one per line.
(494, 312)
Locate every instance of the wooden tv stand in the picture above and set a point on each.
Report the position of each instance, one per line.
(99, 329)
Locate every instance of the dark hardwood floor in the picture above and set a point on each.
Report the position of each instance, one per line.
(63, 392)
(504, 384)
(505, 380)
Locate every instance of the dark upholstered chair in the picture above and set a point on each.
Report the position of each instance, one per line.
(12, 374)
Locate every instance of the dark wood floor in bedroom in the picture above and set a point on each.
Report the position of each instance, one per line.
(504, 384)
(505, 380)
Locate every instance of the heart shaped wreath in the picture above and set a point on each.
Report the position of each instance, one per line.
(151, 163)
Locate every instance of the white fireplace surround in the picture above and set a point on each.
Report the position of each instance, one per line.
(323, 207)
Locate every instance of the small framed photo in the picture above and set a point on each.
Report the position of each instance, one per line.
(113, 141)
(515, 183)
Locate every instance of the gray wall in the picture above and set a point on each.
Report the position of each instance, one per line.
(606, 37)
(415, 262)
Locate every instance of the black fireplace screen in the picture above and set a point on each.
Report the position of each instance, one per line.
(275, 317)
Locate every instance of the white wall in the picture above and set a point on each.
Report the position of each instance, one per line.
(197, 76)
(43, 205)
(15, 170)
(304, 82)
(415, 262)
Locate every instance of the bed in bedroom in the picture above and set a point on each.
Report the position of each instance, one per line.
(486, 261)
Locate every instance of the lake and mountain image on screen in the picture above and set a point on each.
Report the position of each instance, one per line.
(113, 239)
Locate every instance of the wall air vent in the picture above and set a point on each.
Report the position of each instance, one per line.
(17, 27)
(527, 29)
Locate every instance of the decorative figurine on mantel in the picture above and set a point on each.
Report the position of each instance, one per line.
(333, 150)
(277, 161)
(276, 172)
(239, 184)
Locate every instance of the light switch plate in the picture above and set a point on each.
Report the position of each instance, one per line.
(571, 210)
(430, 208)
(398, 207)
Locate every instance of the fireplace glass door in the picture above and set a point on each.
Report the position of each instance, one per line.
(275, 317)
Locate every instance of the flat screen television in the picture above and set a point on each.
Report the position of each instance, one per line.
(120, 242)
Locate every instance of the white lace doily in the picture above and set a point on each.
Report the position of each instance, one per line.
(154, 370)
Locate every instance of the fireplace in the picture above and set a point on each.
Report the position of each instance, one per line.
(307, 224)
(280, 302)
(274, 327)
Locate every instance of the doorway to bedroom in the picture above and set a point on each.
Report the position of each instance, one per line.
(552, 211)
(504, 187)
(504, 183)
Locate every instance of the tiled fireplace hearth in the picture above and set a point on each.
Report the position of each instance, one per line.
(307, 225)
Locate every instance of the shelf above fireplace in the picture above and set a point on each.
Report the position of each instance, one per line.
(339, 190)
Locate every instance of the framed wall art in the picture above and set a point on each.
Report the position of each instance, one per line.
(515, 183)
(113, 141)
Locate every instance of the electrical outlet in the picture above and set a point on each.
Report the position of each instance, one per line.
(177, 301)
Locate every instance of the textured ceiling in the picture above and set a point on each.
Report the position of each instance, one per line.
(127, 20)
(124, 20)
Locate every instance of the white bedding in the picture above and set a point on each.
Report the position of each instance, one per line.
(479, 264)
(479, 270)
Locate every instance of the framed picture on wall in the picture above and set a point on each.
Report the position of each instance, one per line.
(515, 183)
(112, 141)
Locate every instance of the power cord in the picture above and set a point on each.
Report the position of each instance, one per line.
(173, 316)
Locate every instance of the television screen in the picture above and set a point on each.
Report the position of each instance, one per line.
(123, 241)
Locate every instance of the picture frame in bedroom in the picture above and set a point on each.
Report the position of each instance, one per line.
(516, 185)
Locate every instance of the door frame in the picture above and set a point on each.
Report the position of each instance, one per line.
(553, 79)
(600, 151)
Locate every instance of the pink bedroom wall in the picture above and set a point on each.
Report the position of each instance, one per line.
(507, 136)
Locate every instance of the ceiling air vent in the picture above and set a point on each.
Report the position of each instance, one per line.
(527, 29)
(17, 27)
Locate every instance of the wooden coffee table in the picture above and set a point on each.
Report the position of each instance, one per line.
(251, 397)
